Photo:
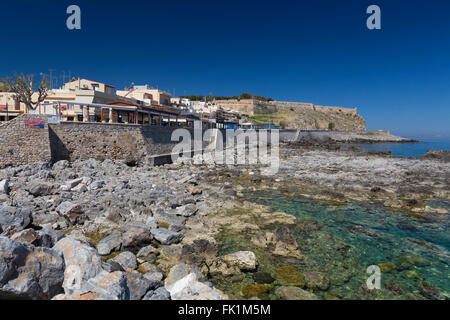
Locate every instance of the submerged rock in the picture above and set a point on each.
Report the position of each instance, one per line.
(294, 293)
(289, 276)
(244, 260)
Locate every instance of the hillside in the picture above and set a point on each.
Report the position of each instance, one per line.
(293, 115)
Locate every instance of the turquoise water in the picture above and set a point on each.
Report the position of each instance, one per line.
(411, 149)
(385, 236)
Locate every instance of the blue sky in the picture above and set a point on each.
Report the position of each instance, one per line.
(312, 51)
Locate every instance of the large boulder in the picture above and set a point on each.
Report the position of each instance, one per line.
(15, 217)
(113, 242)
(139, 285)
(27, 272)
(136, 235)
(189, 288)
(244, 260)
(166, 236)
(108, 286)
(82, 263)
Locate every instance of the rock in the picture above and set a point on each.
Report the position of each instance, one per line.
(16, 217)
(61, 165)
(289, 276)
(244, 260)
(148, 252)
(41, 189)
(148, 267)
(27, 236)
(263, 277)
(96, 185)
(29, 272)
(158, 294)
(255, 290)
(294, 293)
(4, 187)
(126, 259)
(72, 183)
(113, 242)
(180, 271)
(139, 285)
(82, 263)
(429, 291)
(154, 276)
(315, 280)
(136, 236)
(200, 252)
(73, 213)
(188, 288)
(55, 235)
(187, 210)
(108, 286)
(409, 260)
(112, 266)
(285, 243)
(193, 190)
(387, 266)
(165, 236)
(80, 188)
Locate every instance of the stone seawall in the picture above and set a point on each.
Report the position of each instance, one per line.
(134, 143)
(24, 140)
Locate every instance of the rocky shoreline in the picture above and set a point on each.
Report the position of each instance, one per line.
(106, 230)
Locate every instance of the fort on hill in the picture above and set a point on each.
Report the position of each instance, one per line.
(297, 115)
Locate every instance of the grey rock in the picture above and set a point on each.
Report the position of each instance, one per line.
(61, 165)
(41, 189)
(108, 286)
(126, 259)
(112, 266)
(136, 236)
(166, 236)
(4, 187)
(155, 276)
(180, 271)
(82, 263)
(187, 210)
(96, 185)
(17, 217)
(113, 242)
(158, 294)
(73, 213)
(148, 251)
(27, 272)
(189, 288)
(138, 285)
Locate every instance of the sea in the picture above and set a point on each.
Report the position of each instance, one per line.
(411, 149)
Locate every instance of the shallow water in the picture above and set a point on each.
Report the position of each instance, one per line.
(386, 236)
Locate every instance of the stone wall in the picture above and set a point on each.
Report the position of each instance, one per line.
(81, 141)
(24, 140)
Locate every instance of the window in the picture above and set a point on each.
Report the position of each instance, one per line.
(17, 105)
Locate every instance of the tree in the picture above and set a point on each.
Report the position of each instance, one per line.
(331, 126)
(23, 86)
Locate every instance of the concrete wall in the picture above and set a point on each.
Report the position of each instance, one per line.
(20, 145)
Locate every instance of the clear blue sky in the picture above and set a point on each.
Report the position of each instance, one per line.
(312, 51)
